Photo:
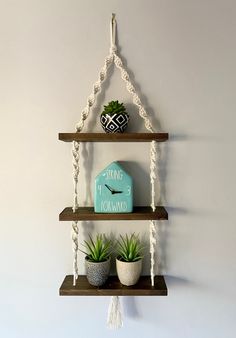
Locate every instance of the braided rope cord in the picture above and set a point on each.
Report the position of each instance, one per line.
(152, 225)
(74, 236)
(75, 228)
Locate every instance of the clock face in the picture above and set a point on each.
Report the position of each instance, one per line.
(113, 190)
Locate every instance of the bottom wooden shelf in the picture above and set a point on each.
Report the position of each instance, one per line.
(113, 287)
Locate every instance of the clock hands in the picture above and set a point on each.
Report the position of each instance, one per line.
(109, 188)
(112, 190)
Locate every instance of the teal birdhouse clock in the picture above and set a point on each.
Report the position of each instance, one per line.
(113, 190)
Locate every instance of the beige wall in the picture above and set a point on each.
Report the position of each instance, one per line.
(181, 56)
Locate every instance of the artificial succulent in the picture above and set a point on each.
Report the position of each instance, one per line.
(114, 107)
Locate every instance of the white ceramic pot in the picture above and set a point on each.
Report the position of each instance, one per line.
(128, 272)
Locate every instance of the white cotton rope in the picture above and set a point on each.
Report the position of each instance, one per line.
(153, 157)
(76, 169)
(114, 313)
(152, 226)
(75, 229)
(74, 236)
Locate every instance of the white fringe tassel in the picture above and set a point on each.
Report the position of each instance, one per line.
(114, 318)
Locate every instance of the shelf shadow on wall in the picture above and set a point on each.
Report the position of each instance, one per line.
(164, 227)
(140, 180)
(176, 281)
(87, 229)
(87, 154)
(176, 211)
(179, 137)
(130, 307)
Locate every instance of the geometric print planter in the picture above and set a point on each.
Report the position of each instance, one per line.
(115, 123)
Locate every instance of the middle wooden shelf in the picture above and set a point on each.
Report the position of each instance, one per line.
(88, 214)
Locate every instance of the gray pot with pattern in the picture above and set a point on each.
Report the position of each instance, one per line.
(97, 272)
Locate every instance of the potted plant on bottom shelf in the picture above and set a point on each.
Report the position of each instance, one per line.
(97, 259)
(129, 259)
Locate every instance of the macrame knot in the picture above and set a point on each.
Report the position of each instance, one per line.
(91, 100)
(102, 76)
(109, 60)
(96, 87)
(113, 49)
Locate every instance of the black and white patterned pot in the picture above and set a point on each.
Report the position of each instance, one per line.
(115, 123)
(97, 273)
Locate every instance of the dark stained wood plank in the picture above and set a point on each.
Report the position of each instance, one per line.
(113, 137)
(88, 214)
(113, 287)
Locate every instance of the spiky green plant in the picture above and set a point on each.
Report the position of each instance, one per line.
(98, 249)
(129, 248)
(114, 107)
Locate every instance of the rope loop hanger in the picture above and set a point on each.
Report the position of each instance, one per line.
(114, 315)
(113, 47)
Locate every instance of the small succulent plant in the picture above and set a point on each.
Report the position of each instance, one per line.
(114, 107)
(98, 249)
(129, 248)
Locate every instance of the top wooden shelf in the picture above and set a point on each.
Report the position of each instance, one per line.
(113, 137)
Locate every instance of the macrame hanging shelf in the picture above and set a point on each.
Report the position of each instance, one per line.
(156, 284)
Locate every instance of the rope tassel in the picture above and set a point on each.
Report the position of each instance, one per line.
(114, 318)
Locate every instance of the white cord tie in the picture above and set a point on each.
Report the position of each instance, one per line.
(113, 47)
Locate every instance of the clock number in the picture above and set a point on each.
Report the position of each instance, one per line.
(100, 189)
(128, 190)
